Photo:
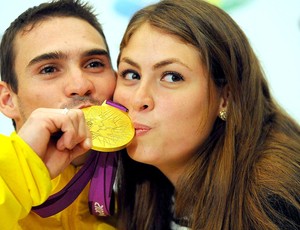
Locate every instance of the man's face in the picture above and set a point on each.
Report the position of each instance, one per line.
(61, 62)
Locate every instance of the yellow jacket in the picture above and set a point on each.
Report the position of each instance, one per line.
(25, 182)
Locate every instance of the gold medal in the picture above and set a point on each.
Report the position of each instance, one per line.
(110, 126)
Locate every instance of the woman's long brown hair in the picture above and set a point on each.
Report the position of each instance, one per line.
(247, 173)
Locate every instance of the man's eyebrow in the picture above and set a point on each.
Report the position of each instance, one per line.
(47, 56)
(61, 55)
(92, 52)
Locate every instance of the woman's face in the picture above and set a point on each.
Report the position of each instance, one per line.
(163, 83)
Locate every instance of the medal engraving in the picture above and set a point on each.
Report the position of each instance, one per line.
(111, 128)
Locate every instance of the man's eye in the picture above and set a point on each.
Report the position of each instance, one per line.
(172, 77)
(95, 64)
(130, 75)
(48, 69)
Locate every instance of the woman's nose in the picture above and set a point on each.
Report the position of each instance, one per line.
(143, 99)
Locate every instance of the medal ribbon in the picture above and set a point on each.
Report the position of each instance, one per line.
(100, 168)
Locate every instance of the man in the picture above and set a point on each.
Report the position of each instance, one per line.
(55, 56)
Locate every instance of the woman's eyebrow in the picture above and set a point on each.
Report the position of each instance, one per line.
(157, 65)
(130, 62)
(169, 62)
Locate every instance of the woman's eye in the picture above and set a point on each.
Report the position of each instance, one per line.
(130, 75)
(48, 69)
(172, 77)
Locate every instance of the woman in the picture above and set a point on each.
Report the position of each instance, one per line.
(212, 149)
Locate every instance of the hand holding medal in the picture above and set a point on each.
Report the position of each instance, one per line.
(111, 130)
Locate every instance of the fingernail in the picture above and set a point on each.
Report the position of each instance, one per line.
(88, 143)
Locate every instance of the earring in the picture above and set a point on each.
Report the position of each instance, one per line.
(223, 115)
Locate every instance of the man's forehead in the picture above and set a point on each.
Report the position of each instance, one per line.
(50, 36)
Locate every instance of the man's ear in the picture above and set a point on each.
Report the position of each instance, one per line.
(7, 103)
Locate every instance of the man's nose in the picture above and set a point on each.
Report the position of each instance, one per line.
(78, 83)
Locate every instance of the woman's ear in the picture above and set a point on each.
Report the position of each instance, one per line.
(225, 95)
(7, 103)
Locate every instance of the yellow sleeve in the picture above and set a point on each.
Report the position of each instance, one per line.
(24, 180)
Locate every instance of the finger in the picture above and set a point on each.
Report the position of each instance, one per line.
(80, 149)
(84, 131)
(74, 130)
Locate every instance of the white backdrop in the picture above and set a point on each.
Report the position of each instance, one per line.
(273, 28)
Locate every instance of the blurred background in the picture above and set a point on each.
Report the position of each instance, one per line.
(273, 28)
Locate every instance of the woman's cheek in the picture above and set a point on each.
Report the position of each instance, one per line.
(121, 96)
